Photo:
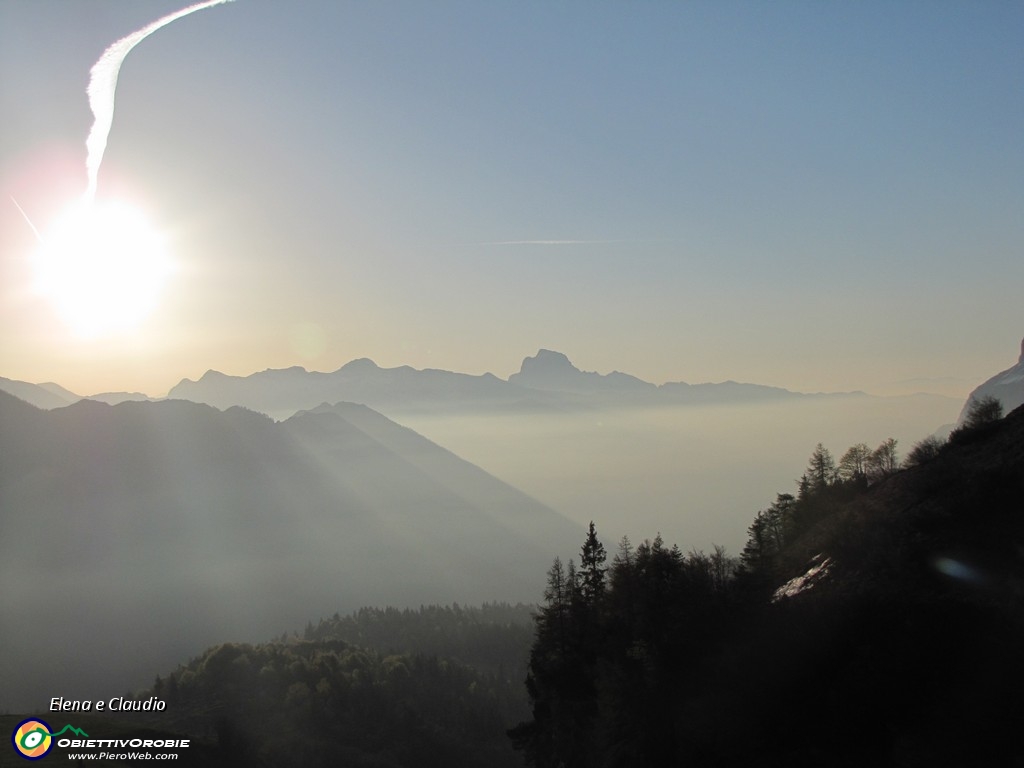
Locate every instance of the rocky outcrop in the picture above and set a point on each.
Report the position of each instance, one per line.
(1007, 387)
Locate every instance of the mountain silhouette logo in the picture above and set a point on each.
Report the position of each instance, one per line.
(33, 740)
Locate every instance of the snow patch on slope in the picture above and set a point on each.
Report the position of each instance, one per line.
(798, 584)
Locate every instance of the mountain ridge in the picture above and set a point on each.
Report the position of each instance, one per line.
(133, 518)
(545, 382)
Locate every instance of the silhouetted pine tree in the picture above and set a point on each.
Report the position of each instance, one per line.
(592, 570)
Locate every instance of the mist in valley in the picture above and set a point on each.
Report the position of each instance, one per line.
(696, 474)
(317, 562)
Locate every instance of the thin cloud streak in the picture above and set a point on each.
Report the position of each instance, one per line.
(558, 242)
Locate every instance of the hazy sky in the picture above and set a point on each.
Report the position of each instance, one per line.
(813, 195)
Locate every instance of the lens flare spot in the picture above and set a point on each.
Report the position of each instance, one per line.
(959, 570)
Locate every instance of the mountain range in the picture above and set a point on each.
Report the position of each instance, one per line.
(548, 381)
(545, 382)
(50, 395)
(135, 533)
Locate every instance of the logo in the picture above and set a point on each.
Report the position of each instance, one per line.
(33, 740)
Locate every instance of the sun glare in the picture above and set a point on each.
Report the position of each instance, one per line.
(102, 265)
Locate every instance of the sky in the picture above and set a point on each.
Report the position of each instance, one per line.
(820, 196)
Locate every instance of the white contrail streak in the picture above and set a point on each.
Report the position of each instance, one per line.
(27, 219)
(551, 242)
(571, 242)
(103, 83)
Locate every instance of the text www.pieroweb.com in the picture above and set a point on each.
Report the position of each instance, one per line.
(123, 756)
(123, 749)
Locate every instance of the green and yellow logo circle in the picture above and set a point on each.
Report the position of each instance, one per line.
(32, 739)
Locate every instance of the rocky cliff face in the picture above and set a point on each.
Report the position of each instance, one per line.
(1006, 386)
(552, 371)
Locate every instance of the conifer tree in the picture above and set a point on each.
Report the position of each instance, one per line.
(592, 570)
(553, 621)
(821, 470)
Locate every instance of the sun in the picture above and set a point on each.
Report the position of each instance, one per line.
(102, 265)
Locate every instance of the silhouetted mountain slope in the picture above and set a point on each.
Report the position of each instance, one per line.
(162, 527)
(50, 395)
(913, 633)
(39, 395)
(957, 513)
(499, 501)
(113, 398)
(906, 650)
(877, 619)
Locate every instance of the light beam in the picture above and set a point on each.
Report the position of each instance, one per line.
(39, 237)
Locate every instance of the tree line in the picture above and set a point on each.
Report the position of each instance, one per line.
(661, 657)
(399, 698)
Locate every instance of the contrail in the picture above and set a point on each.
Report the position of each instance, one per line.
(18, 205)
(103, 83)
(551, 242)
(572, 242)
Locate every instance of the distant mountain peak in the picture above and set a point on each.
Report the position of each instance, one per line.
(553, 371)
(211, 375)
(40, 395)
(360, 364)
(548, 360)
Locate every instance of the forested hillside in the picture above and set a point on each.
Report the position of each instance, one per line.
(875, 619)
(437, 686)
(494, 638)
